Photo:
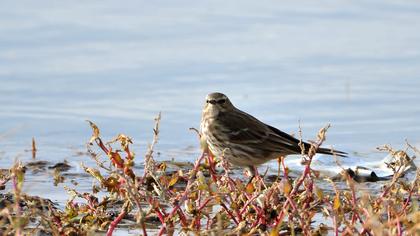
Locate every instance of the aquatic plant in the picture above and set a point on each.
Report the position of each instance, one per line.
(205, 198)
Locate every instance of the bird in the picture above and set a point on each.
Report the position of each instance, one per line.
(242, 139)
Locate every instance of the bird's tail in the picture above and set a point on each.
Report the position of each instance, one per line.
(332, 152)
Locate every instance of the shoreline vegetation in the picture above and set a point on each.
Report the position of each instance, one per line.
(205, 198)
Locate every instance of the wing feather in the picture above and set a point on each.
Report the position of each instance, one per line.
(247, 130)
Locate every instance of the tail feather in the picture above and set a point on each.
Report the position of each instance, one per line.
(331, 152)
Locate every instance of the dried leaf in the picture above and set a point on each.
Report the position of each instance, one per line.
(164, 180)
(218, 199)
(189, 206)
(200, 177)
(285, 186)
(234, 206)
(124, 140)
(337, 202)
(129, 172)
(116, 159)
(318, 193)
(322, 132)
(275, 230)
(95, 129)
(249, 188)
(162, 166)
(112, 184)
(202, 186)
(94, 172)
(240, 228)
(173, 180)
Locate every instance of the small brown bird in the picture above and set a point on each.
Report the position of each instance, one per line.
(242, 139)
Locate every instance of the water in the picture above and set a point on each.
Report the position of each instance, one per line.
(355, 65)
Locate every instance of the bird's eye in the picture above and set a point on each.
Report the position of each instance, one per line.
(211, 101)
(221, 101)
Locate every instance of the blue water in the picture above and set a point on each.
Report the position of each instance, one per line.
(355, 65)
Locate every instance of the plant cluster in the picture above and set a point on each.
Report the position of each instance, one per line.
(208, 199)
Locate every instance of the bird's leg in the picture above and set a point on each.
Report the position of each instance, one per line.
(279, 161)
(284, 167)
(255, 171)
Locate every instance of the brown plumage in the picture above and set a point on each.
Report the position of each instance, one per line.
(244, 140)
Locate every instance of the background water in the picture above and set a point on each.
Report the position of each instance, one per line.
(353, 64)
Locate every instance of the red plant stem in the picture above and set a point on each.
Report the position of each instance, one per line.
(399, 230)
(284, 168)
(309, 191)
(364, 231)
(335, 224)
(107, 151)
(204, 203)
(17, 192)
(353, 217)
(231, 184)
(127, 150)
(256, 222)
(159, 214)
(57, 221)
(410, 194)
(365, 211)
(115, 222)
(389, 213)
(281, 215)
(143, 227)
(354, 200)
(184, 196)
(246, 204)
(212, 167)
(268, 196)
(161, 231)
(236, 209)
(197, 222)
(367, 215)
(17, 199)
(198, 201)
(306, 172)
(294, 190)
(101, 145)
(356, 215)
(388, 188)
(182, 218)
(229, 213)
(334, 217)
(209, 222)
(291, 202)
(260, 215)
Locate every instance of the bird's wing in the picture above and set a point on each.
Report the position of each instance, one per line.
(297, 146)
(245, 129)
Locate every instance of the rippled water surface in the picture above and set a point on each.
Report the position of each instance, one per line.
(354, 65)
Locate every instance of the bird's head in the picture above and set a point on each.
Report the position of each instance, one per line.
(217, 102)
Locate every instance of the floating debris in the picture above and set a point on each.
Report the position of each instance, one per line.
(61, 166)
